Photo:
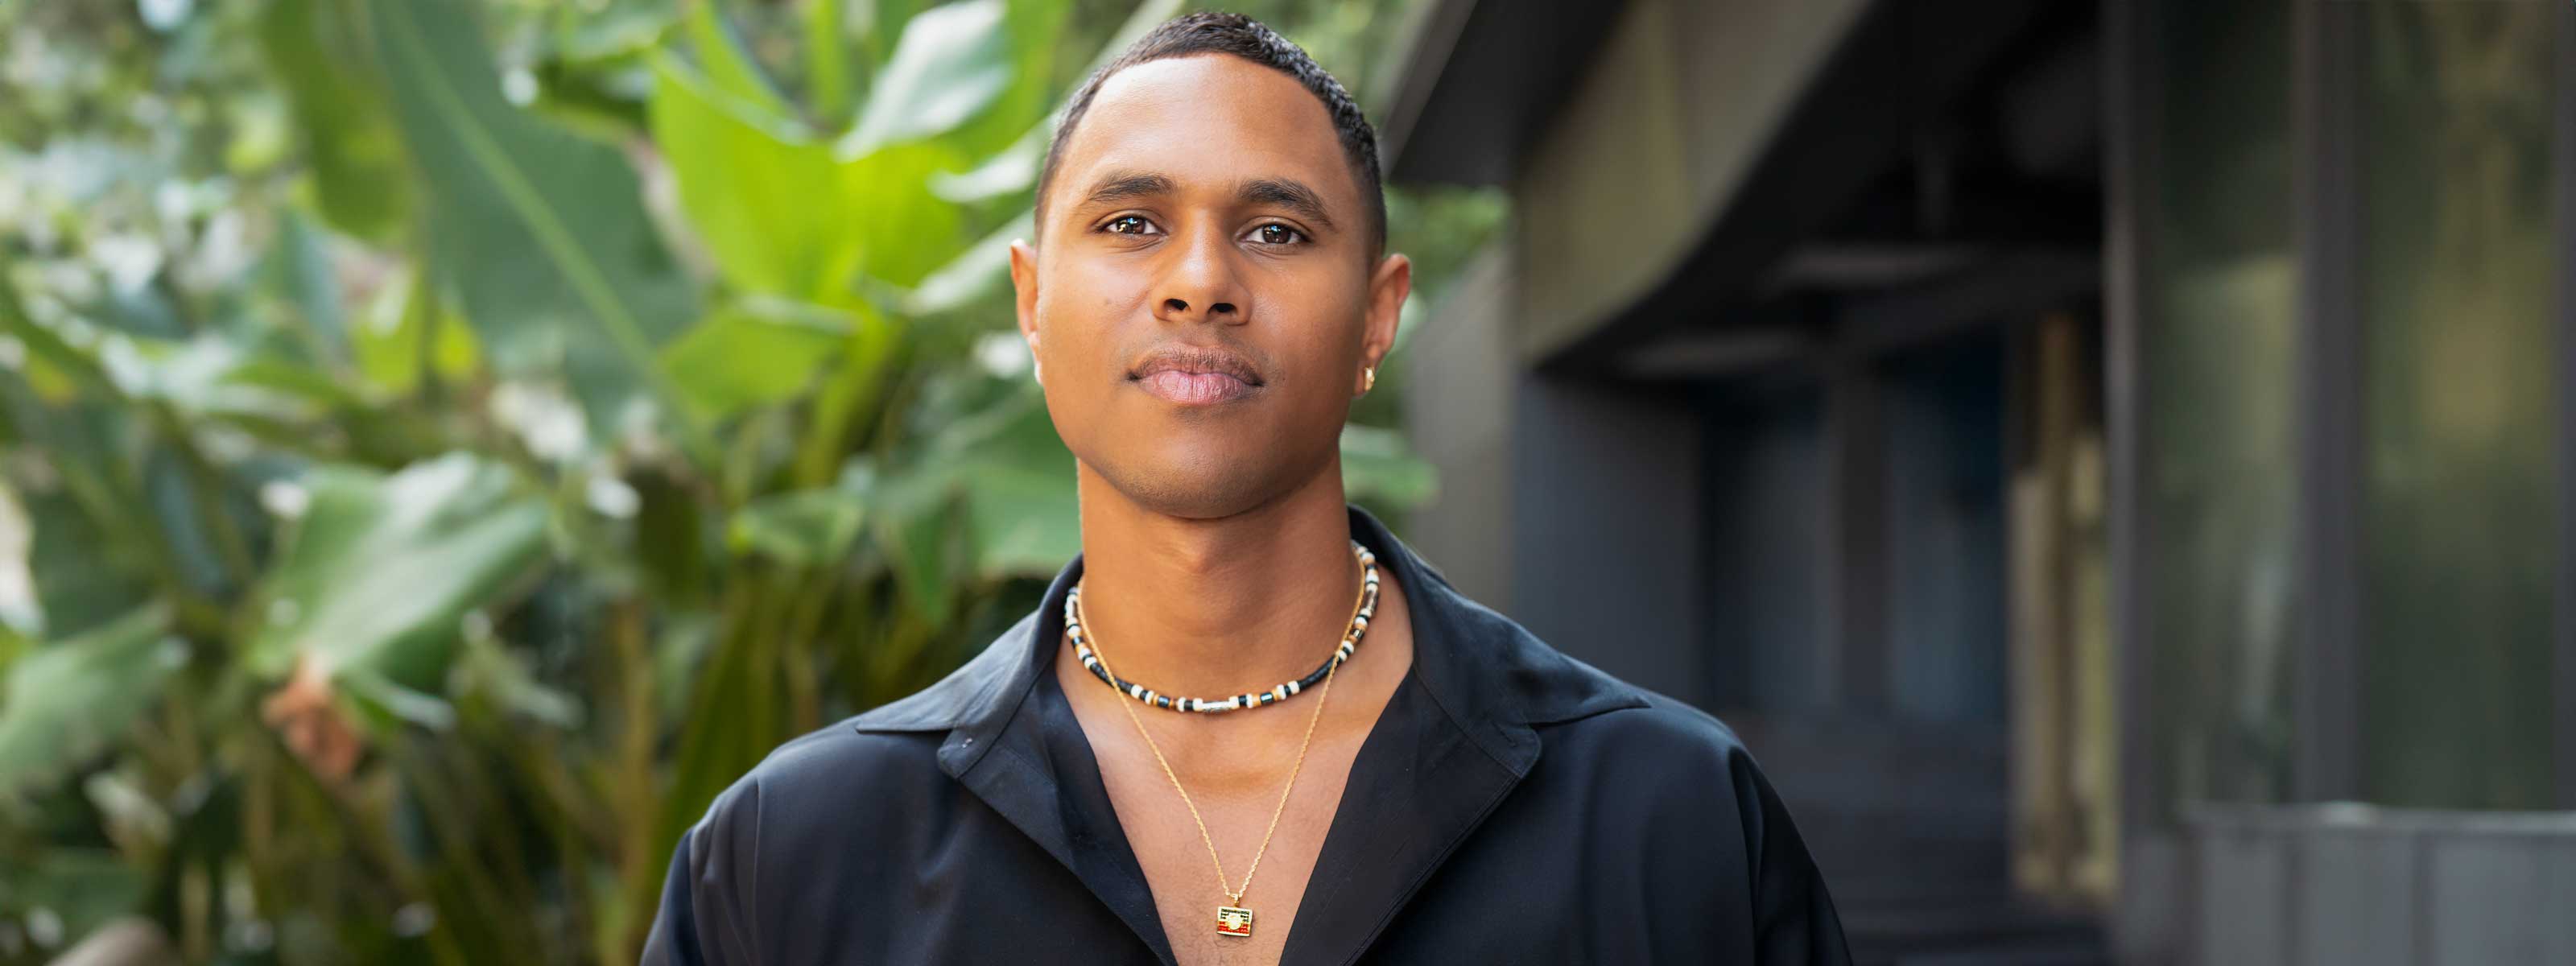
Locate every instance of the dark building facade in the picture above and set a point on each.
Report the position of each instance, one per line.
(2111, 461)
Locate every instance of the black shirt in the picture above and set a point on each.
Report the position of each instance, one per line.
(1510, 805)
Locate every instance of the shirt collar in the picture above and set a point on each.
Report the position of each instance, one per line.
(1454, 738)
(1493, 678)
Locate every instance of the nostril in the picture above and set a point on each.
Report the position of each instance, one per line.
(1222, 308)
(1176, 305)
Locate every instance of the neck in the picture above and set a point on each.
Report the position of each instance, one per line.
(1210, 607)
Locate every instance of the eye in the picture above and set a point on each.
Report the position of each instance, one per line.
(1127, 225)
(1275, 233)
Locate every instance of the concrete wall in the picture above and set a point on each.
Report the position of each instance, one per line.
(1572, 508)
(1651, 147)
(1606, 529)
(1457, 407)
(2351, 885)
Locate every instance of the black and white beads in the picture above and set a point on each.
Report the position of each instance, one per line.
(1350, 643)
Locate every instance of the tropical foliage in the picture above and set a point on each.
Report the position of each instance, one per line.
(443, 443)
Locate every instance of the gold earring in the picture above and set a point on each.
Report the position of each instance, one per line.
(1368, 378)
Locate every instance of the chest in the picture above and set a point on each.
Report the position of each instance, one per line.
(1174, 856)
(1545, 878)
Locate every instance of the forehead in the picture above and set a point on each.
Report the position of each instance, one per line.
(1208, 120)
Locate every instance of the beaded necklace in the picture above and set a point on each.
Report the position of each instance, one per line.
(1233, 918)
(1357, 629)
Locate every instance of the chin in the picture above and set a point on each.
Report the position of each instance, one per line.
(1198, 489)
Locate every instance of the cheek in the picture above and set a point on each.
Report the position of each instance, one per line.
(1322, 322)
(1080, 289)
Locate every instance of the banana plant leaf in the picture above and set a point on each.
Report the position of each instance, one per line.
(951, 64)
(780, 213)
(727, 64)
(379, 571)
(71, 698)
(755, 352)
(360, 182)
(542, 234)
(406, 336)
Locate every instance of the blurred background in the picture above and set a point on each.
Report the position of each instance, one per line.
(2106, 458)
(2109, 460)
(444, 442)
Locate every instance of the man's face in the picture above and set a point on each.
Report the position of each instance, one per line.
(1203, 219)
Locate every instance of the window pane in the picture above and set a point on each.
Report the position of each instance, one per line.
(1945, 531)
(2459, 500)
(1767, 533)
(2217, 339)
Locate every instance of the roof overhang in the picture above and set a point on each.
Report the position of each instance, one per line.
(1479, 81)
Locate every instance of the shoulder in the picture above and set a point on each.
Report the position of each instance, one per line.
(1661, 725)
(826, 782)
(767, 831)
(1661, 742)
(1674, 772)
(862, 771)
(841, 764)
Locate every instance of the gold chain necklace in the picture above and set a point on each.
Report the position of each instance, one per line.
(1232, 919)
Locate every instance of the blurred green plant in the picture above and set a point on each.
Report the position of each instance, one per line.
(442, 444)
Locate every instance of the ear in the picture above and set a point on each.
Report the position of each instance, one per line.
(1024, 289)
(1388, 286)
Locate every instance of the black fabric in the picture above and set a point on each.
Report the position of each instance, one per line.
(1511, 805)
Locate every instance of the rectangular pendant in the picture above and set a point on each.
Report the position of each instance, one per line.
(1233, 921)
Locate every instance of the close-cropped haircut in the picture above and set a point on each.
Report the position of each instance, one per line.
(1233, 34)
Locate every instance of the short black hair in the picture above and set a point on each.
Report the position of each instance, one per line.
(1215, 32)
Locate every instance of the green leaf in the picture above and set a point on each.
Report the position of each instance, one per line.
(600, 30)
(827, 60)
(881, 23)
(378, 572)
(505, 676)
(850, 399)
(359, 180)
(760, 195)
(88, 570)
(72, 698)
(55, 368)
(803, 527)
(542, 234)
(780, 214)
(208, 376)
(1014, 168)
(980, 271)
(1016, 483)
(1377, 467)
(298, 271)
(406, 334)
(1036, 29)
(953, 61)
(82, 887)
(1018, 478)
(728, 65)
(754, 352)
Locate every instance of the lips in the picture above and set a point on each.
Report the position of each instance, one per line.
(1195, 388)
(1196, 375)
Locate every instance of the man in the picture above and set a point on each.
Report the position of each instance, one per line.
(1246, 724)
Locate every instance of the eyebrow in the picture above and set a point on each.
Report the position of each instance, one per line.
(1286, 193)
(1124, 185)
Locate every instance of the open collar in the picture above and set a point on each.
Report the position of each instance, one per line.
(1458, 734)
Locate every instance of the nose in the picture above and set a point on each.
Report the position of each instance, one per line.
(1200, 282)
